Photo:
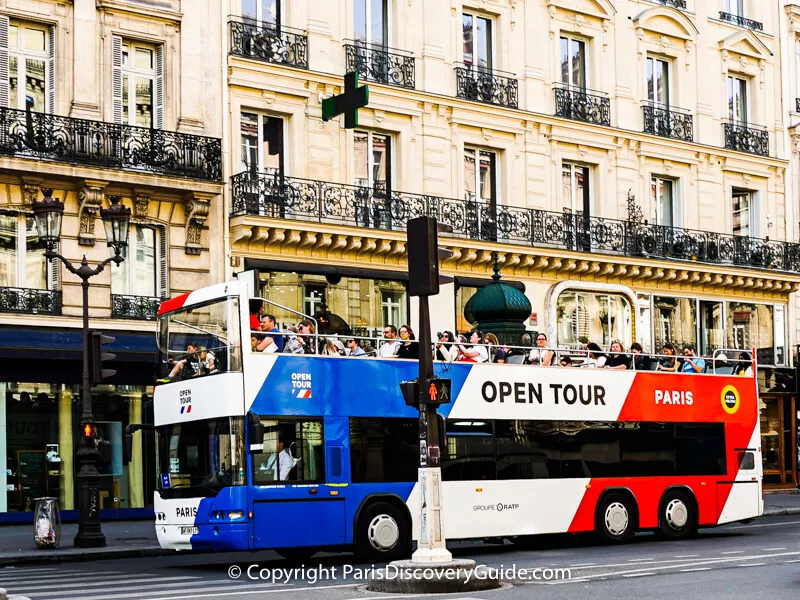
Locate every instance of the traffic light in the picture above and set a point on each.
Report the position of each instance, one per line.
(424, 255)
(438, 391)
(98, 356)
(88, 430)
(410, 391)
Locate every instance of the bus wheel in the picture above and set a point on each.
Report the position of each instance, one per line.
(383, 533)
(615, 520)
(296, 554)
(677, 516)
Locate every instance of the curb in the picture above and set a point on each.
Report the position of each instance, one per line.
(45, 557)
(777, 512)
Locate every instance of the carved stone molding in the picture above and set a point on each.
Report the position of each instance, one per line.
(30, 191)
(141, 204)
(197, 209)
(256, 237)
(90, 198)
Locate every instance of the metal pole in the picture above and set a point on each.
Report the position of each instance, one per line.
(90, 534)
(431, 546)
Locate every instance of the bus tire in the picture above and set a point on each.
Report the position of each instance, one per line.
(296, 554)
(677, 515)
(616, 518)
(383, 533)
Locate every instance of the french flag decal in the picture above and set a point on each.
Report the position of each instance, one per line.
(304, 393)
(186, 409)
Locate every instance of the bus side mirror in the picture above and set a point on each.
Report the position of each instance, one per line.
(256, 433)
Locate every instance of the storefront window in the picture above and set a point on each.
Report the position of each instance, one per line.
(42, 436)
(675, 320)
(599, 318)
(751, 326)
(350, 305)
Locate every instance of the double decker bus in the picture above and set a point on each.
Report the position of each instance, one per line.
(300, 452)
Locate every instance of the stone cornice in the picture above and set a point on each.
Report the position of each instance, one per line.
(257, 237)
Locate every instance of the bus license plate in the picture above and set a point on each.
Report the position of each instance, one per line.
(189, 531)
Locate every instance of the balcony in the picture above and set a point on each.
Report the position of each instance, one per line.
(668, 121)
(380, 64)
(30, 301)
(269, 42)
(579, 105)
(271, 196)
(111, 145)
(141, 308)
(746, 137)
(740, 21)
(679, 4)
(481, 85)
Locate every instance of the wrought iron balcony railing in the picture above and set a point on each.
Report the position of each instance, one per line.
(480, 85)
(740, 21)
(579, 105)
(323, 202)
(745, 137)
(30, 301)
(113, 145)
(142, 308)
(269, 42)
(380, 64)
(679, 4)
(668, 121)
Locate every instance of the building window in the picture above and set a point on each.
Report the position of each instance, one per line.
(675, 321)
(592, 317)
(574, 63)
(314, 298)
(393, 304)
(712, 330)
(752, 326)
(575, 188)
(663, 201)
(478, 42)
(480, 182)
(372, 155)
(31, 66)
(266, 11)
(137, 83)
(745, 215)
(736, 7)
(262, 144)
(372, 21)
(659, 83)
(140, 273)
(738, 100)
(22, 262)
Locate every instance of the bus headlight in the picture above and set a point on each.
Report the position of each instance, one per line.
(236, 514)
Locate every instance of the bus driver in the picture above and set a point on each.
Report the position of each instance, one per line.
(287, 463)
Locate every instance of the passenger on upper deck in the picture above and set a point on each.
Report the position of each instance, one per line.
(617, 360)
(691, 363)
(745, 366)
(256, 310)
(268, 326)
(187, 367)
(641, 362)
(478, 352)
(668, 363)
(540, 356)
(392, 347)
(408, 349)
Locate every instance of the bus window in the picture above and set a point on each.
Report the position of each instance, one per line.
(383, 450)
(470, 452)
(293, 452)
(527, 449)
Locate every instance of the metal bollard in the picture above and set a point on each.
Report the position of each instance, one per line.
(47, 523)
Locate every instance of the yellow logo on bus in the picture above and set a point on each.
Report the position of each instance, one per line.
(730, 399)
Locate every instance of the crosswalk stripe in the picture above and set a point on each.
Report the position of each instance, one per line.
(239, 588)
(247, 591)
(82, 584)
(19, 579)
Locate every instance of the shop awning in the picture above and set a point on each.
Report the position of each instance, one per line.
(60, 344)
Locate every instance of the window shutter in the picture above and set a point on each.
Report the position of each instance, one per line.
(159, 100)
(51, 73)
(5, 99)
(116, 77)
(163, 287)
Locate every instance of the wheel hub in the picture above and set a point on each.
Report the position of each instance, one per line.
(383, 532)
(616, 518)
(677, 514)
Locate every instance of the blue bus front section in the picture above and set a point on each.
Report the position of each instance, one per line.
(216, 523)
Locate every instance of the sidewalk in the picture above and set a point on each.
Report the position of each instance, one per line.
(124, 539)
(129, 539)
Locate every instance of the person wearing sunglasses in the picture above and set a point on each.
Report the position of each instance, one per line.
(354, 348)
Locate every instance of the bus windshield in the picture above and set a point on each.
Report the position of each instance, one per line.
(200, 340)
(199, 458)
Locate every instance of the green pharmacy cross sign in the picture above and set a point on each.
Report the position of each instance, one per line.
(348, 103)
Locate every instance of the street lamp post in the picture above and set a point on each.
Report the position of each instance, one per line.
(49, 213)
